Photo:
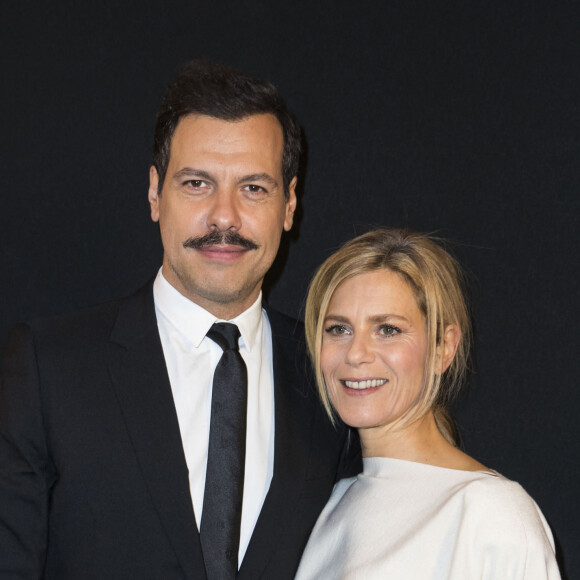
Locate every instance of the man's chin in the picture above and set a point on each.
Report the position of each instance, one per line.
(223, 294)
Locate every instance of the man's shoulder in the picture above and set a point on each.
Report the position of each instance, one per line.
(90, 323)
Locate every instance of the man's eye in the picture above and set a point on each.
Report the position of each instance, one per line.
(254, 188)
(336, 330)
(389, 330)
(197, 183)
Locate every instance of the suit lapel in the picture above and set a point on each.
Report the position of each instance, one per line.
(141, 383)
(293, 417)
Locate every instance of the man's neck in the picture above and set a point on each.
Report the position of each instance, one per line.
(222, 311)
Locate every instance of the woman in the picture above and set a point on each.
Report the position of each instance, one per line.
(388, 332)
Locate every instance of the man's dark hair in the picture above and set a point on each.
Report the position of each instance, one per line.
(207, 88)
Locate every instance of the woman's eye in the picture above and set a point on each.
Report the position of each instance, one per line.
(337, 330)
(389, 330)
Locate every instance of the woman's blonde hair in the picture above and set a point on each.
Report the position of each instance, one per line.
(438, 284)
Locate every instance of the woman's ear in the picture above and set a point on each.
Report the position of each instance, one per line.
(448, 348)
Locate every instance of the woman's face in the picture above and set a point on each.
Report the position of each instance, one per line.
(373, 349)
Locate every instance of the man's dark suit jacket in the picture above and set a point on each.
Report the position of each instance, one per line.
(93, 479)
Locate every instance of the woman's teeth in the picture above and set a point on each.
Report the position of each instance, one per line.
(365, 384)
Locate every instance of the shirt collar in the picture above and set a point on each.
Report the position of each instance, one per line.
(193, 321)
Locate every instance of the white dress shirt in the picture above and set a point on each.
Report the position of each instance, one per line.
(191, 359)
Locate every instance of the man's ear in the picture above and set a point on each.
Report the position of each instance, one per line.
(447, 348)
(290, 205)
(154, 193)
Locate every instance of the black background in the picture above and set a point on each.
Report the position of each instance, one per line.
(456, 118)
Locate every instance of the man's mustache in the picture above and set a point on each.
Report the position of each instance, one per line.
(217, 238)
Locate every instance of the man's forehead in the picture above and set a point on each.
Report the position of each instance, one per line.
(193, 119)
(256, 137)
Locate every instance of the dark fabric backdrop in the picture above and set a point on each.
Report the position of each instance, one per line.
(459, 118)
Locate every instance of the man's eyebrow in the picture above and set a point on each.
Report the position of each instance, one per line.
(190, 172)
(264, 177)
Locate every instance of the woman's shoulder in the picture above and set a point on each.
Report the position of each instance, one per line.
(492, 490)
(508, 527)
(501, 508)
(494, 499)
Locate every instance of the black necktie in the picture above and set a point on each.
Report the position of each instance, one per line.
(224, 482)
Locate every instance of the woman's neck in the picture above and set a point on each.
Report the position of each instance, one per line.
(421, 441)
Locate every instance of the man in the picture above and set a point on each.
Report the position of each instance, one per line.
(106, 416)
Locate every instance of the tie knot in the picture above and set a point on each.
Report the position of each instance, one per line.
(226, 335)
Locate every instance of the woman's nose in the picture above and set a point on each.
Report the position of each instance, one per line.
(359, 351)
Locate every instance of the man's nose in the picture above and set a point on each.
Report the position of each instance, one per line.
(224, 211)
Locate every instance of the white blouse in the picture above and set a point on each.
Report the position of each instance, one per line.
(404, 520)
